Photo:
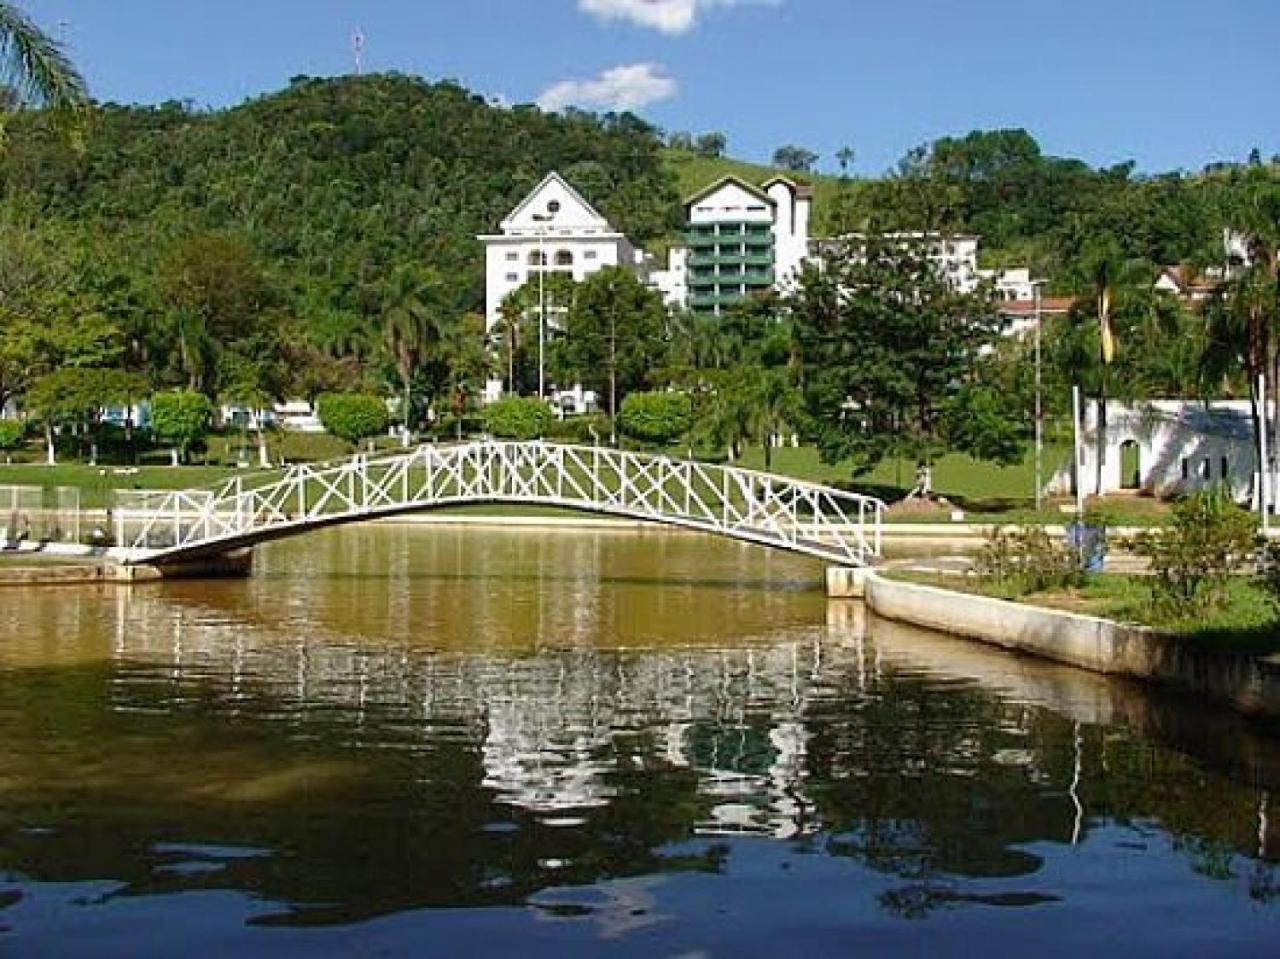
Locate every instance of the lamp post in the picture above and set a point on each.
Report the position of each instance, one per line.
(542, 219)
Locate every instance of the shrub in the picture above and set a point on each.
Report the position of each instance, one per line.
(352, 416)
(578, 429)
(659, 418)
(12, 434)
(1027, 560)
(518, 418)
(451, 427)
(181, 417)
(1210, 539)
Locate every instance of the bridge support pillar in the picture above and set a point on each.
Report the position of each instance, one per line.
(846, 582)
(224, 566)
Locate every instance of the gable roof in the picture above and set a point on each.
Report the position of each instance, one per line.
(730, 180)
(800, 190)
(554, 178)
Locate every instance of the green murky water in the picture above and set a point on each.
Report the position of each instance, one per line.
(454, 741)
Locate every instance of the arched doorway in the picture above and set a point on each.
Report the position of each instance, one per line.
(1130, 465)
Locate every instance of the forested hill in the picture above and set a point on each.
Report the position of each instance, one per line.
(336, 183)
(340, 180)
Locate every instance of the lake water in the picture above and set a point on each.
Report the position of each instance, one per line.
(447, 741)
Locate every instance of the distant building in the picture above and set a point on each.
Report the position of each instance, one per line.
(741, 239)
(553, 230)
(1165, 447)
(1188, 283)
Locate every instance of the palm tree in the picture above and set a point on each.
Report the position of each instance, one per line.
(411, 326)
(36, 71)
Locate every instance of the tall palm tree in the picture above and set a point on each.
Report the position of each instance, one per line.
(411, 325)
(36, 71)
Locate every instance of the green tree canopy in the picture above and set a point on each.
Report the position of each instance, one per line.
(884, 343)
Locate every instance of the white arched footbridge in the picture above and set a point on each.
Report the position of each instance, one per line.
(167, 528)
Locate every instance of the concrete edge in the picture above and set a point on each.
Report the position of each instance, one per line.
(1246, 683)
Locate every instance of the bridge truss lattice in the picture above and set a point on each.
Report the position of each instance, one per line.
(831, 524)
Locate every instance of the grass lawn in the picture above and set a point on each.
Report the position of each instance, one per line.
(96, 482)
(1248, 622)
(987, 492)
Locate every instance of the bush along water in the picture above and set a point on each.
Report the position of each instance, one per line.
(1210, 540)
(1027, 560)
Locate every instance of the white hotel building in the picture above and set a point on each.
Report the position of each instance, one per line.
(554, 230)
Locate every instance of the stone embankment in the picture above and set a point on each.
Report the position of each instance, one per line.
(1249, 684)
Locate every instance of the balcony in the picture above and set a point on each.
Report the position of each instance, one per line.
(704, 260)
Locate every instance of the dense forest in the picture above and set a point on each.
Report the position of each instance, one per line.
(322, 238)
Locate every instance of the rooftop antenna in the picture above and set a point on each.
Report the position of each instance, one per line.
(357, 49)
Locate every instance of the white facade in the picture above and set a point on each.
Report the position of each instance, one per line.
(1165, 447)
(298, 416)
(730, 200)
(743, 240)
(553, 230)
(673, 282)
(793, 209)
(1011, 286)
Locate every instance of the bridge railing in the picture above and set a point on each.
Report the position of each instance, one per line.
(759, 507)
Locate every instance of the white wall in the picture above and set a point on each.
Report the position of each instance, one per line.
(733, 203)
(503, 274)
(673, 282)
(1181, 447)
(790, 231)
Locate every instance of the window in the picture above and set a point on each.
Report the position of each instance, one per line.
(513, 277)
(1186, 468)
(513, 255)
(564, 258)
(1225, 466)
(1206, 469)
(537, 258)
(589, 255)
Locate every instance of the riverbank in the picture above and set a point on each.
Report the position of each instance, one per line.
(1245, 681)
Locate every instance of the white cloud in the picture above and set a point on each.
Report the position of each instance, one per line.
(666, 16)
(629, 87)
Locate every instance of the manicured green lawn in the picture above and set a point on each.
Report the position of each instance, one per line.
(96, 482)
(1248, 622)
(986, 492)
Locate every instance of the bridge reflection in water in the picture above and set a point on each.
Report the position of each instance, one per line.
(628, 729)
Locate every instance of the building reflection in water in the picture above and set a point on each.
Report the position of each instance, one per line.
(550, 728)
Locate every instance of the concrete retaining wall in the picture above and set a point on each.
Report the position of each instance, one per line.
(1247, 683)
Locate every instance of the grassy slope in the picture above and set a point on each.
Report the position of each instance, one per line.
(693, 172)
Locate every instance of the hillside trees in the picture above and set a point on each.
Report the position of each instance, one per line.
(796, 159)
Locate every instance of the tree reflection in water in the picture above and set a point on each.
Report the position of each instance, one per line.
(334, 775)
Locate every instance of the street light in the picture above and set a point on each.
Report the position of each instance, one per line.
(542, 219)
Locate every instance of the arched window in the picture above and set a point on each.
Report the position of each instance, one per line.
(564, 258)
(537, 258)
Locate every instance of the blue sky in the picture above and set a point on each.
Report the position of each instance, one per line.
(1168, 83)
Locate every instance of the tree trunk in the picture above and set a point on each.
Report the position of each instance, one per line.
(408, 400)
(264, 457)
(51, 457)
(1274, 414)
